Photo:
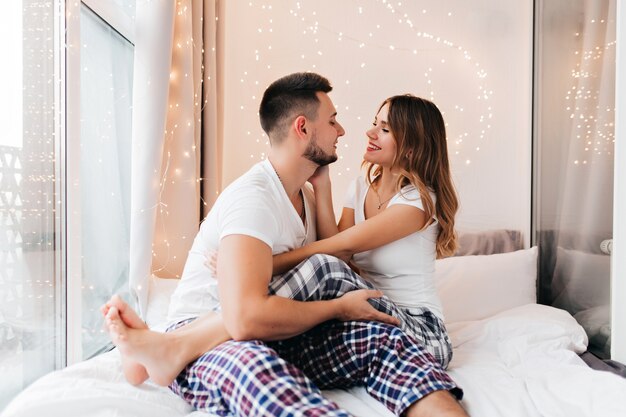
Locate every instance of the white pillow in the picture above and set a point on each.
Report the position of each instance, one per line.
(479, 286)
(470, 287)
(161, 290)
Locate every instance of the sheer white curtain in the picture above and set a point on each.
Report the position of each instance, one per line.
(175, 120)
(576, 167)
(106, 61)
(586, 213)
(586, 201)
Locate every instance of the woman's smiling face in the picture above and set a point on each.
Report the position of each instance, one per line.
(381, 146)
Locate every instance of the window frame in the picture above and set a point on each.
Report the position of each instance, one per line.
(60, 174)
(114, 17)
(618, 256)
(70, 262)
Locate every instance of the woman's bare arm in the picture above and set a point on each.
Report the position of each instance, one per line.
(392, 224)
(324, 211)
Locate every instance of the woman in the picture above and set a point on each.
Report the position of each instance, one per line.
(396, 221)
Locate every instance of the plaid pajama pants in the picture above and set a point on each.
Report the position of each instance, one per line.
(325, 277)
(284, 378)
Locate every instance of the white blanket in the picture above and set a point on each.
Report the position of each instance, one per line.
(521, 362)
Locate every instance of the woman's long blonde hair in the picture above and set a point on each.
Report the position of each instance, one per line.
(422, 160)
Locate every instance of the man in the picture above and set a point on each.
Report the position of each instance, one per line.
(267, 211)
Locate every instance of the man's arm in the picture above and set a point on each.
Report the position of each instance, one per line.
(245, 268)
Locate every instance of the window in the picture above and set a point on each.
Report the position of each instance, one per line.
(106, 76)
(31, 290)
(64, 180)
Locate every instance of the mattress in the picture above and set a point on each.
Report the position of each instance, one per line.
(512, 358)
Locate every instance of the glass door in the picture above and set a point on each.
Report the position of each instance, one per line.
(32, 337)
(574, 102)
(64, 180)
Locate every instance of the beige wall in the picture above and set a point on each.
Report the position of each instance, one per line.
(473, 59)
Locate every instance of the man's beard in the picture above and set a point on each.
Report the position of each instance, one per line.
(317, 155)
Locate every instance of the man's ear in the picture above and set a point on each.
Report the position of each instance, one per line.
(300, 125)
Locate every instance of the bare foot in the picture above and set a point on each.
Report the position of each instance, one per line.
(130, 316)
(134, 372)
(155, 352)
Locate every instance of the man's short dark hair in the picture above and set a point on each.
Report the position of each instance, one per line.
(289, 97)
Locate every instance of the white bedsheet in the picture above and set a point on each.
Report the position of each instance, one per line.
(522, 362)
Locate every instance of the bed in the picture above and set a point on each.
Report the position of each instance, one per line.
(512, 357)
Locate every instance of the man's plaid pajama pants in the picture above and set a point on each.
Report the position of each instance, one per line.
(397, 366)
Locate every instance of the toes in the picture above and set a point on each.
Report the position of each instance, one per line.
(121, 337)
(117, 301)
(113, 312)
(113, 315)
(115, 326)
(104, 308)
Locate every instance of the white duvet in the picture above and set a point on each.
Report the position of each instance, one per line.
(521, 362)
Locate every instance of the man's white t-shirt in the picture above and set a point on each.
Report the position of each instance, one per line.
(256, 205)
(403, 269)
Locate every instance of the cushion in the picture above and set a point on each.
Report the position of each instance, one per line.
(477, 287)
(489, 242)
(470, 287)
(581, 280)
(161, 290)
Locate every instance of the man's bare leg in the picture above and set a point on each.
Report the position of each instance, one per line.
(163, 355)
(438, 403)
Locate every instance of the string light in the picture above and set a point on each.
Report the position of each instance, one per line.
(594, 112)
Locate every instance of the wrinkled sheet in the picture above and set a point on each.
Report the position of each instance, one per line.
(522, 362)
